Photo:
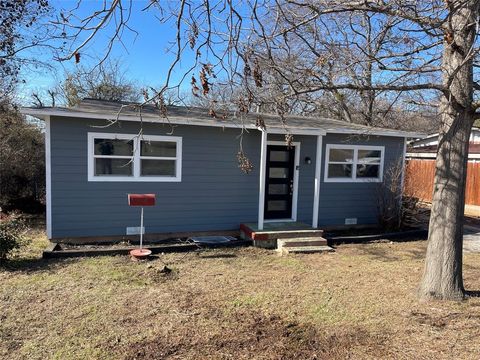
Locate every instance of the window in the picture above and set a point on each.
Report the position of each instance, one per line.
(354, 163)
(125, 157)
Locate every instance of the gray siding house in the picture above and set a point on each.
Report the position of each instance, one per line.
(98, 152)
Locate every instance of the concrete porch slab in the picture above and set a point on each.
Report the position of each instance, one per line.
(279, 226)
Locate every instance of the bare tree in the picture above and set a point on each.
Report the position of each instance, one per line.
(107, 81)
(429, 48)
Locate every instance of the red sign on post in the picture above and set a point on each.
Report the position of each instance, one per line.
(141, 199)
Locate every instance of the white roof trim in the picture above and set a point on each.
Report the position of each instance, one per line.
(283, 131)
(378, 132)
(42, 113)
(46, 112)
(422, 155)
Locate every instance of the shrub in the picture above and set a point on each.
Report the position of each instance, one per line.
(12, 234)
(396, 212)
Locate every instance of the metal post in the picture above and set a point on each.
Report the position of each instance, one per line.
(141, 229)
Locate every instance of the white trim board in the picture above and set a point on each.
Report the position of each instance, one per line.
(317, 182)
(296, 175)
(136, 158)
(43, 113)
(48, 178)
(261, 191)
(354, 163)
(378, 132)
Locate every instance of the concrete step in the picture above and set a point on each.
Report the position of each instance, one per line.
(306, 249)
(274, 232)
(302, 241)
(292, 234)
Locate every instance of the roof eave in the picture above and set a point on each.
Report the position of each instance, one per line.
(379, 132)
(37, 113)
(44, 113)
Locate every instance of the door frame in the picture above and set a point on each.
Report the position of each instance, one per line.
(296, 174)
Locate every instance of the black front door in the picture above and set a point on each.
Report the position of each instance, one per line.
(279, 182)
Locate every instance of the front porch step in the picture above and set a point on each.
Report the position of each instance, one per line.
(274, 231)
(305, 249)
(302, 241)
(295, 234)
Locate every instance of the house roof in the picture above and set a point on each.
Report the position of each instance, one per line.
(430, 151)
(473, 148)
(434, 136)
(300, 125)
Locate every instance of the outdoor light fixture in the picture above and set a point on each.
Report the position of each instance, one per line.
(308, 160)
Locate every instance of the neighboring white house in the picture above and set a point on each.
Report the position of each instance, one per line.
(432, 139)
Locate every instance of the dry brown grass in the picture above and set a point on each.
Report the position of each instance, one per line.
(357, 303)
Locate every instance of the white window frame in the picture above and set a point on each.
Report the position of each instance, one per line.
(136, 158)
(355, 162)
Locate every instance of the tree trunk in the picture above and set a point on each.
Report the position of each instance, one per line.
(442, 277)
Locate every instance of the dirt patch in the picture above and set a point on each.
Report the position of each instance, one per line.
(243, 303)
(265, 336)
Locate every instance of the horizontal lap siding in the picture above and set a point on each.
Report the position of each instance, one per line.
(213, 194)
(354, 200)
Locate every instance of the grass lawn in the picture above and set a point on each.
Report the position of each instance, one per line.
(234, 304)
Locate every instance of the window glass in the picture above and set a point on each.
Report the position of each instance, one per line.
(278, 173)
(368, 171)
(279, 155)
(341, 155)
(369, 156)
(112, 167)
(113, 147)
(278, 189)
(339, 170)
(158, 148)
(277, 205)
(126, 157)
(358, 163)
(157, 167)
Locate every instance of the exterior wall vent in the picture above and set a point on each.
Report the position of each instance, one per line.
(350, 221)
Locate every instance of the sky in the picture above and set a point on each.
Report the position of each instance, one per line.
(144, 56)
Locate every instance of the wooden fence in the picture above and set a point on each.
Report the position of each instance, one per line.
(419, 180)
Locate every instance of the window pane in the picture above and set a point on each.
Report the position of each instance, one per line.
(339, 170)
(278, 189)
(113, 147)
(341, 155)
(369, 156)
(368, 171)
(158, 148)
(158, 168)
(277, 205)
(279, 155)
(113, 167)
(278, 173)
